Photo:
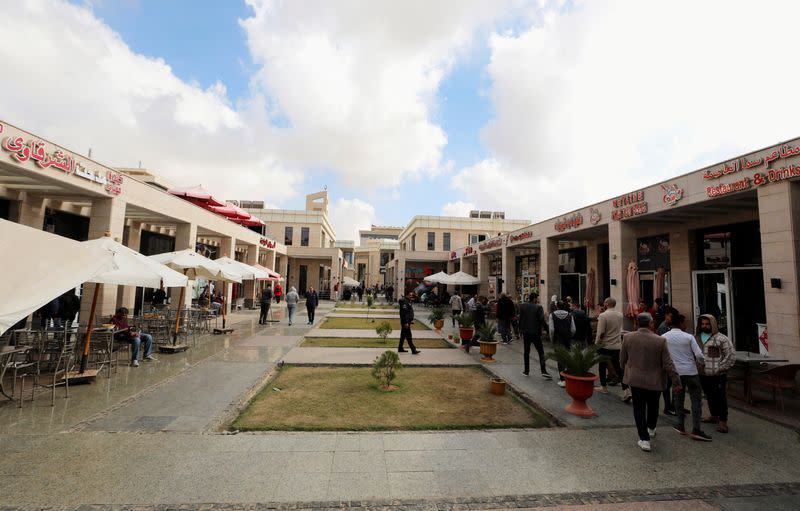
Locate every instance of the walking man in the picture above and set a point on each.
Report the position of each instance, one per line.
(664, 327)
(406, 320)
(312, 300)
(531, 323)
(583, 326)
(719, 357)
(505, 313)
(562, 329)
(292, 299)
(609, 344)
(266, 300)
(686, 356)
(456, 306)
(645, 357)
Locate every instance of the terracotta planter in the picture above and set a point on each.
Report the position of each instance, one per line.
(466, 333)
(488, 349)
(497, 386)
(438, 324)
(579, 388)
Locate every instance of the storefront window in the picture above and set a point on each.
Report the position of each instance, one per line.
(495, 265)
(527, 275)
(653, 253)
(572, 260)
(732, 245)
(446, 241)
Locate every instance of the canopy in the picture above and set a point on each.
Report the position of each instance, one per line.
(193, 265)
(461, 279)
(437, 278)
(271, 275)
(247, 271)
(40, 267)
(135, 269)
(350, 282)
(196, 194)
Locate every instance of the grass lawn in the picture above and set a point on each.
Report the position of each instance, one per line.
(348, 398)
(364, 306)
(368, 324)
(349, 342)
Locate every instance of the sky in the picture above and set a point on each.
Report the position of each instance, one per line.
(532, 107)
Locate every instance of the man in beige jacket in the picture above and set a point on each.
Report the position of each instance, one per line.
(609, 341)
(646, 360)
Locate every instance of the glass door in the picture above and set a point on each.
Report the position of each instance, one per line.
(712, 296)
(748, 307)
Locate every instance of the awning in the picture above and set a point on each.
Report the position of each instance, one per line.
(196, 194)
(135, 269)
(40, 267)
(271, 275)
(461, 279)
(437, 278)
(193, 265)
(247, 271)
(350, 282)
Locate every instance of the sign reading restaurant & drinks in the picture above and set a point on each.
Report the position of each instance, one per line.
(34, 150)
(759, 177)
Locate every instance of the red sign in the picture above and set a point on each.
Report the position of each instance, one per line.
(266, 242)
(672, 194)
(569, 222)
(34, 150)
(453, 255)
(728, 188)
(521, 236)
(739, 164)
(594, 216)
(469, 251)
(488, 245)
(629, 206)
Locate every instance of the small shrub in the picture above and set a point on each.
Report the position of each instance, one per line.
(383, 330)
(385, 367)
(437, 314)
(486, 332)
(578, 361)
(465, 320)
(370, 304)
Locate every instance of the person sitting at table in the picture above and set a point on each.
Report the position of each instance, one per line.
(126, 333)
(216, 303)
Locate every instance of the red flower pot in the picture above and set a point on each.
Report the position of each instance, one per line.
(579, 388)
(466, 333)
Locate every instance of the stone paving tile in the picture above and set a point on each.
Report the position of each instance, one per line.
(409, 485)
(359, 461)
(358, 485)
(302, 486)
(359, 442)
(412, 441)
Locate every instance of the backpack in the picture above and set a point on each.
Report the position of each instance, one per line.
(562, 328)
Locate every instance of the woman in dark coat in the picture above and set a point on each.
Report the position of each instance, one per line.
(312, 300)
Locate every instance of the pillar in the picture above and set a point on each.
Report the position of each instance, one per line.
(185, 237)
(509, 266)
(107, 217)
(251, 286)
(451, 268)
(621, 251)
(31, 212)
(227, 248)
(779, 216)
(400, 289)
(126, 295)
(483, 274)
(680, 273)
(548, 272)
(336, 275)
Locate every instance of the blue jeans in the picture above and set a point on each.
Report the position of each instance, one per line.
(504, 328)
(291, 312)
(135, 342)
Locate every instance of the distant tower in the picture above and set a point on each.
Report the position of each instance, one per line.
(317, 202)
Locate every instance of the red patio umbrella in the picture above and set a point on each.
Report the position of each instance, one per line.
(196, 194)
(588, 300)
(658, 285)
(632, 308)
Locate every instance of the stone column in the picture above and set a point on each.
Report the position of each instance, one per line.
(400, 288)
(680, 273)
(107, 217)
(779, 216)
(509, 264)
(227, 248)
(250, 286)
(621, 251)
(31, 212)
(451, 268)
(336, 275)
(185, 237)
(548, 272)
(126, 295)
(483, 274)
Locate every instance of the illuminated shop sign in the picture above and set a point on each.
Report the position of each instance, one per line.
(514, 238)
(34, 150)
(630, 205)
(569, 222)
(758, 179)
(488, 245)
(672, 194)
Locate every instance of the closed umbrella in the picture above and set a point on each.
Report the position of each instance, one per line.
(632, 280)
(132, 269)
(588, 300)
(658, 285)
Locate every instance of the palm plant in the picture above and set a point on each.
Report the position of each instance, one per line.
(437, 314)
(486, 332)
(465, 320)
(577, 361)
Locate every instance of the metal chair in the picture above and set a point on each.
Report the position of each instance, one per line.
(57, 354)
(778, 379)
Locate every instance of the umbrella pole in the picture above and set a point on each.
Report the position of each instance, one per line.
(224, 301)
(87, 339)
(178, 316)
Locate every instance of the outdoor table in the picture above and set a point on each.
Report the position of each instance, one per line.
(6, 352)
(748, 360)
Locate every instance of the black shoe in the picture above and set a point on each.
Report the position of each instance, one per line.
(416, 352)
(679, 429)
(525, 373)
(669, 411)
(699, 435)
(546, 375)
(402, 351)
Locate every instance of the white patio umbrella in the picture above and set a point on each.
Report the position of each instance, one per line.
(41, 266)
(193, 265)
(350, 282)
(248, 272)
(461, 279)
(132, 269)
(437, 278)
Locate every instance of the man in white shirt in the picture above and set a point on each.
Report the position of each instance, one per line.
(686, 355)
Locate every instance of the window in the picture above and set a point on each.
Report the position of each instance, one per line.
(446, 241)
(324, 241)
(288, 234)
(304, 235)
(413, 242)
(431, 241)
(476, 238)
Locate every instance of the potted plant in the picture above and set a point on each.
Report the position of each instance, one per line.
(437, 318)
(384, 369)
(383, 330)
(465, 326)
(497, 386)
(578, 363)
(486, 334)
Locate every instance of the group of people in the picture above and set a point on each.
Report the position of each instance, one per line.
(292, 299)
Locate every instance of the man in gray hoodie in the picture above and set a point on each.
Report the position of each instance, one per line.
(292, 299)
(562, 330)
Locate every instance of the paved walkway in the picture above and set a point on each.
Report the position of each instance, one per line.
(363, 333)
(364, 314)
(366, 356)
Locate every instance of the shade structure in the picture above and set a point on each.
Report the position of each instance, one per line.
(350, 282)
(193, 265)
(437, 278)
(272, 275)
(196, 194)
(632, 284)
(588, 299)
(659, 284)
(461, 279)
(42, 266)
(135, 269)
(247, 271)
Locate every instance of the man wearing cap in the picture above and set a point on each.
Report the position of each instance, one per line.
(645, 358)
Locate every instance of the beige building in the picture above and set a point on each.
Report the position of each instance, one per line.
(313, 259)
(47, 186)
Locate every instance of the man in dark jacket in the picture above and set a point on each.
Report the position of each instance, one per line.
(406, 320)
(562, 329)
(505, 313)
(266, 300)
(312, 300)
(68, 307)
(531, 323)
(583, 326)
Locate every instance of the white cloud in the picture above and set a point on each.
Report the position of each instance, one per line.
(356, 81)
(458, 208)
(348, 216)
(70, 78)
(607, 96)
